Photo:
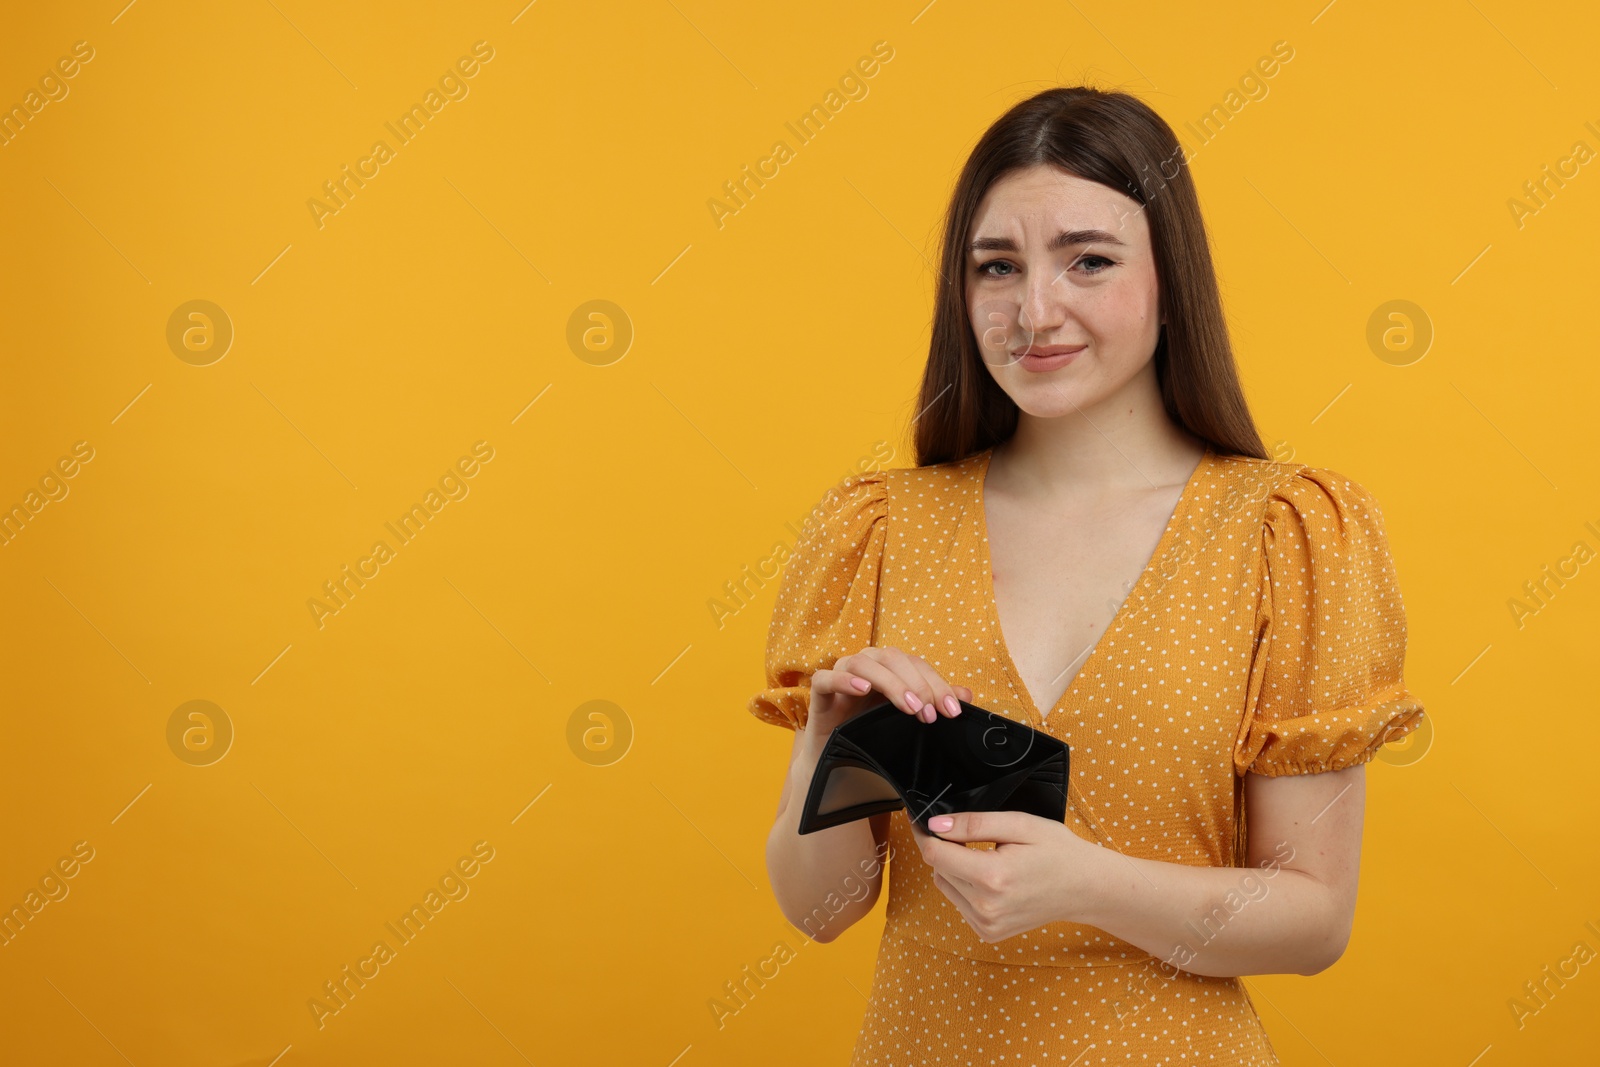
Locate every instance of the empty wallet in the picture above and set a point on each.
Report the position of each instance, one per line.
(883, 760)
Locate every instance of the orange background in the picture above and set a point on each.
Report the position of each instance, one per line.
(643, 458)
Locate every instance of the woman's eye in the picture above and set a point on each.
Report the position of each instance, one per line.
(1099, 265)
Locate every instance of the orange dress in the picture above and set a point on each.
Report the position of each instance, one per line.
(1265, 635)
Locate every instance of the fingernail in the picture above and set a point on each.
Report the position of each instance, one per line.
(914, 701)
(950, 703)
(861, 685)
(940, 823)
(928, 714)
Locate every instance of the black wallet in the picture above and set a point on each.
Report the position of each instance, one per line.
(883, 760)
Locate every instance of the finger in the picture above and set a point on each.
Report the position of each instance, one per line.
(873, 666)
(836, 681)
(1000, 827)
(960, 887)
(951, 859)
(956, 862)
(942, 693)
(968, 889)
(932, 690)
(949, 849)
(905, 683)
(920, 694)
(953, 893)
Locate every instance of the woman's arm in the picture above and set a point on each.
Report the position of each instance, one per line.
(828, 880)
(1289, 910)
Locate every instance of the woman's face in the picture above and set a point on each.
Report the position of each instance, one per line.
(1061, 264)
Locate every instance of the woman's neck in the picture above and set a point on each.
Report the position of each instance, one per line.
(1123, 445)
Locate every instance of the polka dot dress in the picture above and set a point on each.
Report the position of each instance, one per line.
(1265, 635)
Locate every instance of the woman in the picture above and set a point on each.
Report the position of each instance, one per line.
(1095, 543)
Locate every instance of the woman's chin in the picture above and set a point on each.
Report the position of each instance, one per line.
(1044, 399)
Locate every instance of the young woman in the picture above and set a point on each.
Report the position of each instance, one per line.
(1094, 543)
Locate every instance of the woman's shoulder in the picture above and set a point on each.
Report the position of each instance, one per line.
(1289, 478)
(848, 513)
(947, 478)
(1277, 493)
(866, 498)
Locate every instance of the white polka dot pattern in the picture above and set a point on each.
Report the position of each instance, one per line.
(1266, 635)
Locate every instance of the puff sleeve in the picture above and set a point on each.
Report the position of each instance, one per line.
(828, 596)
(1325, 690)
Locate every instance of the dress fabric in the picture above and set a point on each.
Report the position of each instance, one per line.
(1265, 635)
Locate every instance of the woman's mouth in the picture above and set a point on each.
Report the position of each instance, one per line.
(1040, 358)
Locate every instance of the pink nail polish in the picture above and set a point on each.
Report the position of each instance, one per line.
(951, 705)
(914, 701)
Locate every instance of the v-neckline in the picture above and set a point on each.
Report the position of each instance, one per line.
(1135, 597)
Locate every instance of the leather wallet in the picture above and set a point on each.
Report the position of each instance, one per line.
(883, 760)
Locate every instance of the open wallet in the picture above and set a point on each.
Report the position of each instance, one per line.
(883, 760)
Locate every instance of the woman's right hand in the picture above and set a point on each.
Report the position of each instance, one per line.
(873, 675)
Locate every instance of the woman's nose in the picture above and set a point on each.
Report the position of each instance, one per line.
(1043, 308)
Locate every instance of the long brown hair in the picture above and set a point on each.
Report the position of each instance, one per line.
(1117, 140)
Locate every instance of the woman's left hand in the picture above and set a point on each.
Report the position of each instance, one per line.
(1038, 872)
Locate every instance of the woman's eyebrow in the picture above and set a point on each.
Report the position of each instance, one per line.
(1060, 241)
